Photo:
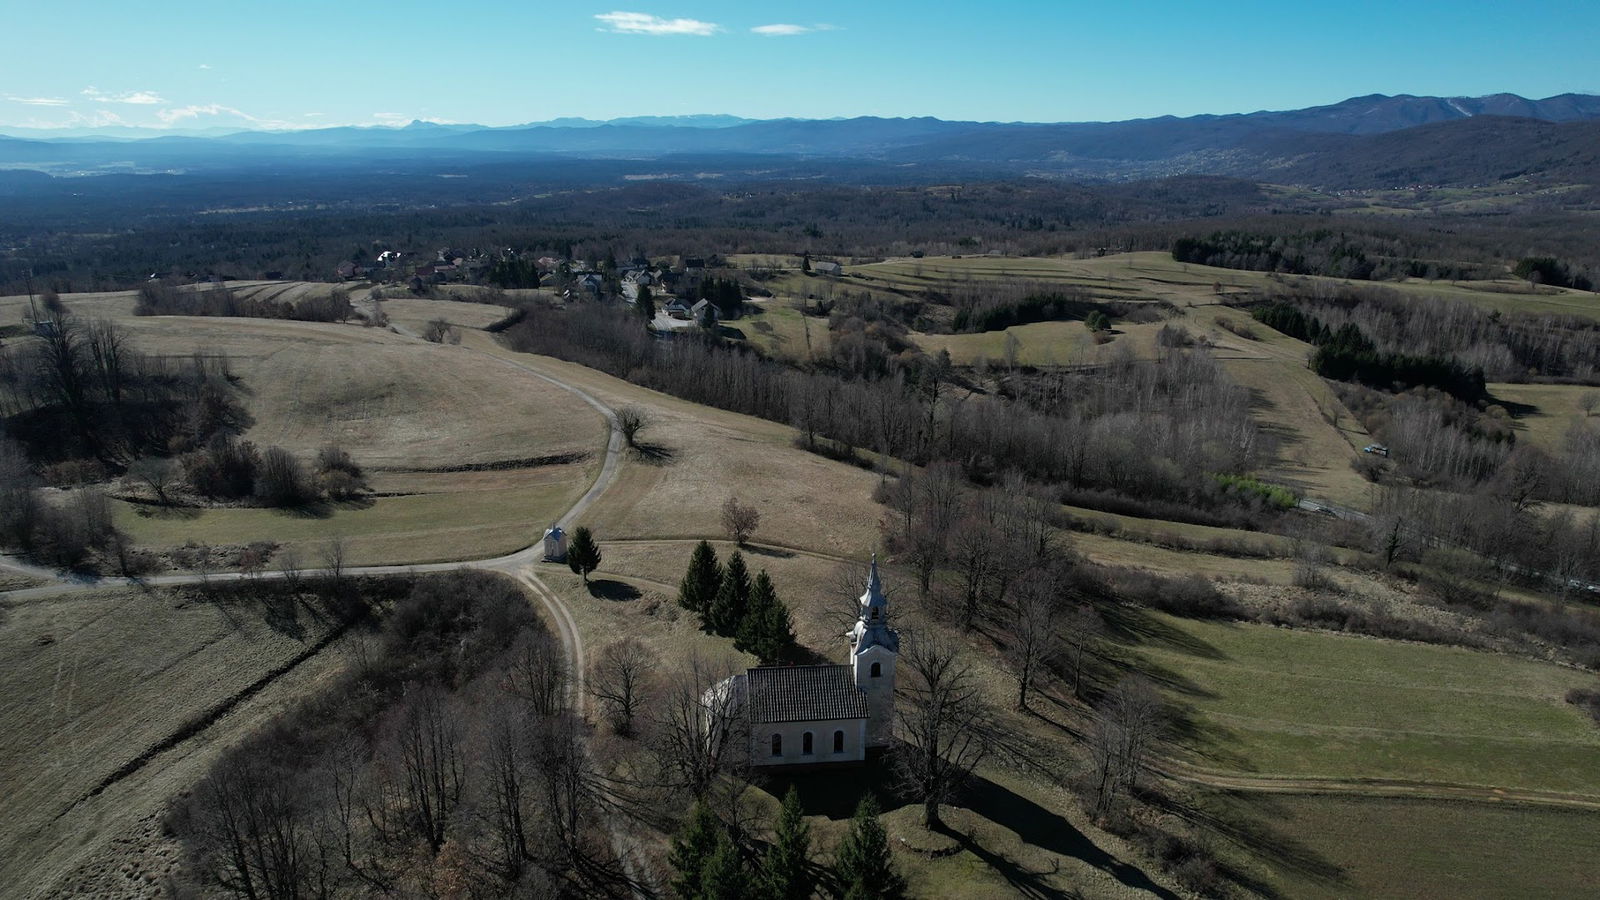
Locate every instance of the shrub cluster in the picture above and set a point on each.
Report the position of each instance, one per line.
(228, 468)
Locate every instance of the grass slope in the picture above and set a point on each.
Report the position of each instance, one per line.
(1276, 702)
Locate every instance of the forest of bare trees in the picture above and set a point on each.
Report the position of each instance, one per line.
(446, 760)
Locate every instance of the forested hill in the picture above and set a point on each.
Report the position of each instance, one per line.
(1364, 142)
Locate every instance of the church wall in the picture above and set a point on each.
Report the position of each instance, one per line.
(793, 734)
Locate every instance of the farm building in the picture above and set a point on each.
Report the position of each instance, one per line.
(824, 715)
(827, 268)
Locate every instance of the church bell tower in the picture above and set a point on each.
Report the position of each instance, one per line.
(874, 646)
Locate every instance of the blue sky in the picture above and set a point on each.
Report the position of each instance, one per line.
(297, 64)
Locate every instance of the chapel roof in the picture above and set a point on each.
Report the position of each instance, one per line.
(804, 693)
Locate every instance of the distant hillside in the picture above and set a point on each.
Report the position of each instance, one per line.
(1373, 141)
(1465, 152)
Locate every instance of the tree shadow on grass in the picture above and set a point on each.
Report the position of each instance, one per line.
(611, 589)
(1046, 830)
(170, 512)
(835, 793)
(1245, 819)
(1134, 626)
(654, 454)
(768, 550)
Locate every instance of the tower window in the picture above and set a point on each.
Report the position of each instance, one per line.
(805, 744)
(838, 742)
(777, 745)
(877, 670)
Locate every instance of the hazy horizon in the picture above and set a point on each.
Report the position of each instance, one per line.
(193, 66)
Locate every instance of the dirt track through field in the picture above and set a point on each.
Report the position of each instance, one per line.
(520, 565)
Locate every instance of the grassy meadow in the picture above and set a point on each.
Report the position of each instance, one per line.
(1274, 702)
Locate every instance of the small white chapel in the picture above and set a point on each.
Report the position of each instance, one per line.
(826, 714)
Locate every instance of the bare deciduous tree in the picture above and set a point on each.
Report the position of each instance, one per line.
(1080, 639)
(1127, 725)
(290, 568)
(1035, 635)
(157, 473)
(943, 721)
(697, 732)
(621, 680)
(426, 765)
(538, 673)
(739, 520)
(1589, 403)
(334, 552)
(632, 420)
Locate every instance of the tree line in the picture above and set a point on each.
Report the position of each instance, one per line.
(1346, 354)
(1508, 346)
(730, 604)
(159, 298)
(1129, 428)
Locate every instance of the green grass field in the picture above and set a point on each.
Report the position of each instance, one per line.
(1275, 702)
(469, 515)
(1305, 846)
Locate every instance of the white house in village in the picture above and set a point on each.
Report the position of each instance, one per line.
(827, 714)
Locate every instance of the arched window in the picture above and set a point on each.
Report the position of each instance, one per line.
(805, 744)
(777, 745)
(877, 670)
(838, 742)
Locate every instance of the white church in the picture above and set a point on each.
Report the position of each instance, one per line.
(827, 714)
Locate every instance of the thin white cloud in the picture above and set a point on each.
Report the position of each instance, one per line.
(174, 115)
(137, 98)
(644, 23)
(786, 29)
(97, 119)
(203, 66)
(38, 101)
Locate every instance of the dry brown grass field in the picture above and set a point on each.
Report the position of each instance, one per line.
(106, 675)
(406, 410)
(93, 682)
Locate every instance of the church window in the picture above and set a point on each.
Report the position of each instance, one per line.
(777, 745)
(805, 743)
(877, 670)
(838, 742)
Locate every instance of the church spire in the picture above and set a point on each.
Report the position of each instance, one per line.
(874, 605)
(872, 628)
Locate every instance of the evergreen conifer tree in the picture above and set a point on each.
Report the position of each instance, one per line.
(864, 863)
(583, 553)
(724, 877)
(646, 303)
(692, 848)
(699, 586)
(785, 871)
(733, 598)
(767, 630)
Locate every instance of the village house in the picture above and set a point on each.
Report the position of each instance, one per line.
(825, 715)
(705, 311)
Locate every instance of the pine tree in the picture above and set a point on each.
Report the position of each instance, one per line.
(864, 863)
(733, 598)
(767, 630)
(785, 871)
(646, 303)
(583, 553)
(699, 585)
(692, 848)
(723, 876)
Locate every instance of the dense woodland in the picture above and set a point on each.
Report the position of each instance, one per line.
(1153, 432)
(115, 231)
